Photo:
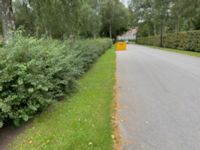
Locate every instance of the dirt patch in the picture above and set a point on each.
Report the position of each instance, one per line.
(115, 119)
(8, 134)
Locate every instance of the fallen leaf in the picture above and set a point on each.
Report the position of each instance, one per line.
(30, 142)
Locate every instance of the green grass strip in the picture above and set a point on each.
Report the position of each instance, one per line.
(190, 53)
(82, 122)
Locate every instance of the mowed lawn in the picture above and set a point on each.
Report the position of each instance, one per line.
(190, 53)
(81, 122)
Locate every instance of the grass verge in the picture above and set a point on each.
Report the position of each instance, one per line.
(190, 53)
(82, 122)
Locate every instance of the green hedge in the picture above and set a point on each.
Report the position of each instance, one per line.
(34, 73)
(182, 40)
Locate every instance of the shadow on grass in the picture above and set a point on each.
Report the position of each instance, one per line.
(8, 133)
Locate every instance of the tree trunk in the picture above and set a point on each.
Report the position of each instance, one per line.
(154, 29)
(161, 32)
(177, 29)
(94, 35)
(8, 21)
(110, 30)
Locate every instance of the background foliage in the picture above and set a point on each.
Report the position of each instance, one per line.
(72, 18)
(166, 16)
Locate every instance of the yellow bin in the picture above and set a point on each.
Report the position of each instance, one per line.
(121, 46)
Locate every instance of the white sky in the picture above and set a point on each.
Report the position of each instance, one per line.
(125, 2)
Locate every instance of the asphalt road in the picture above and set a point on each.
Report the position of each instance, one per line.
(159, 96)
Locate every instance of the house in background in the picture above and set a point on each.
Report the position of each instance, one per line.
(129, 35)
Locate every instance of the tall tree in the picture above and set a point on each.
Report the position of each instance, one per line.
(8, 21)
(163, 8)
(169, 15)
(152, 13)
(115, 17)
(90, 21)
(67, 18)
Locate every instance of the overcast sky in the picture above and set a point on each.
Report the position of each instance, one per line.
(125, 2)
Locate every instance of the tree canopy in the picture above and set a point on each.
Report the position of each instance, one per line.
(166, 16)
(71, 18)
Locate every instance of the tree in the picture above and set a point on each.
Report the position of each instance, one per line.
(147, 16)
(91, 18)
(152, 13)
(115, 18)
(24, 16)
(8, 21)
(163, 7)
(56, 18)
(168, 15)
(67, 18)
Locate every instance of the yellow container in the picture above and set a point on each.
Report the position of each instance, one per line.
(121, 46)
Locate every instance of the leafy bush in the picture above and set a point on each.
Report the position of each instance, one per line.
(183, 40)
(34, 73)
